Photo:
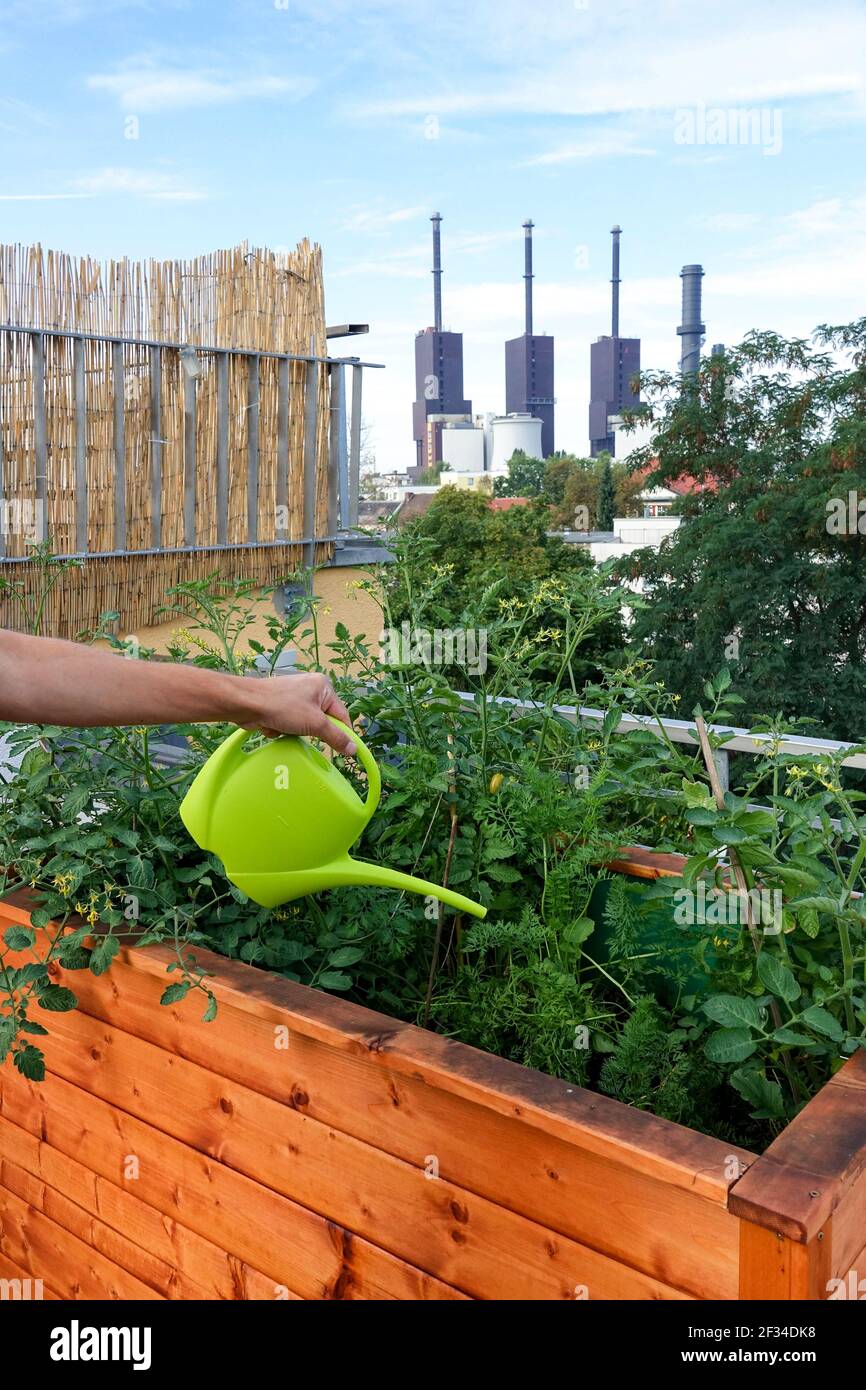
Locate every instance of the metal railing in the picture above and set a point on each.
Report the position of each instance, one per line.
(343, 440)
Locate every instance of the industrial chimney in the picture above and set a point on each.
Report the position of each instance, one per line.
(692, 328)
(527, 273)
(437, 273)
(614, 280)
(439, 400)
(529, 363)
(613, 363)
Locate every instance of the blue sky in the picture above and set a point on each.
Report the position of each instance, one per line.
(350, 121)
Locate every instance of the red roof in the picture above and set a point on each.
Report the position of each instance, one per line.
(682, 485)
(502, 504)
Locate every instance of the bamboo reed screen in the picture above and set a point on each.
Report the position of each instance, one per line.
(122, 418)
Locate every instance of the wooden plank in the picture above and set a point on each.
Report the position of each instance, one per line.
(659, 1148)
(295, 1247)
(70, 1265)
(195, 1263)
(677, 1236)
(465, 1240)
(772, 1267)
(11, 1271)
(815, 1168)
(222, 457)
(159, 1275)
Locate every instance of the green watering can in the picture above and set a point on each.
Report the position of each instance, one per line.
(282, 819)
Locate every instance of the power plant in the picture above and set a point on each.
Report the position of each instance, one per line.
(529, 363)
(443, 425)
(438, 374)
(613, 361)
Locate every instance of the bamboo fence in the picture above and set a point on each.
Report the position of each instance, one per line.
(125, 406)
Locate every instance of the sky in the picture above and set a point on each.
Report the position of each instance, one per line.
(732, 136)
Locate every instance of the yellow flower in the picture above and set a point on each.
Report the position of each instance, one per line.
(495, 782)
(63, 884)
(93, 917)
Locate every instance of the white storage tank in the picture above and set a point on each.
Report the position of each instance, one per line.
(463, 448)
(511, 432)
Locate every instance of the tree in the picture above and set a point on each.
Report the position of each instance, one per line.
(525, 477)
(767, 571)
(605, 503)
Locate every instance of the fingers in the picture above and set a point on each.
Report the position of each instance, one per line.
(321, 727)
(332, 704)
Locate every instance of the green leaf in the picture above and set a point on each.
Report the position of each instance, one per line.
(696, 794)
(789, 1037)
(807, 921)
(701, 815)
(19, 938)
(103, 954)
(777, 978)
(730, 1045)
(30, 1062)
(823, 1022)
(334, 979)
(29, 1025)
(764, 1095)
(347, 955)
(172, 994)
(56, 999)
(732, 1011)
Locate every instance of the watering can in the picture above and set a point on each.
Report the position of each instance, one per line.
(282, 819)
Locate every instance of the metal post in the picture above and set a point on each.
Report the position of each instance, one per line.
(189, 430)
(337, 409)
(311, 420)
(222, 458)
(80, 446)
(156, 448)
(40, 435)
(252, 448)
(282, 492)
(118, 386)
(355, 447)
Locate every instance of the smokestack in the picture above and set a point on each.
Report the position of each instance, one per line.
(691, 329)
(615, 282)
(527, 273)
(437, 274)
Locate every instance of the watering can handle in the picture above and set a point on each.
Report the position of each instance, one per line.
(369, 764)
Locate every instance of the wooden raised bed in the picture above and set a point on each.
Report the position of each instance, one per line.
(304, 1147)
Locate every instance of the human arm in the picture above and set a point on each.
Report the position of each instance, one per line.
(47, 681)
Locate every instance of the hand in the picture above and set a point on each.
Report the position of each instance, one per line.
(298, 705)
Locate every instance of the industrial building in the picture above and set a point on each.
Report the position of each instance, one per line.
(613, 363)
(529, 364)
(438, 375)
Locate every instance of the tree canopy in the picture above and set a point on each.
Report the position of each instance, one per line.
(768, 570)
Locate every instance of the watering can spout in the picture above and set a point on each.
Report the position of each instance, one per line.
(381, 877)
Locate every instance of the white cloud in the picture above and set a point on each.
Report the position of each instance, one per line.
(629, 58)
(156, 185)
(143, 87)
(604, 145)
(373, 219)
